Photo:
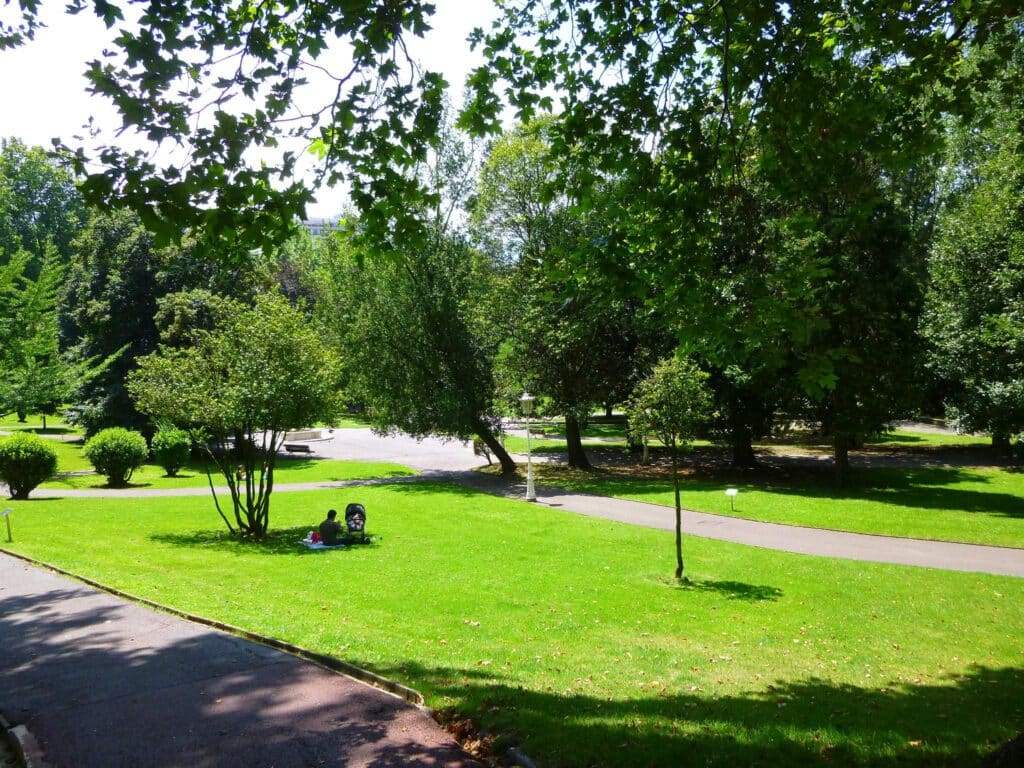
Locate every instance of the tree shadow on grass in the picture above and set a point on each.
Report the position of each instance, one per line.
(731, 590)
(951, 721)
(924, 487)
(279, 541)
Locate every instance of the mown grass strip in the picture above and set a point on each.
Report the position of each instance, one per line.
(564, 636)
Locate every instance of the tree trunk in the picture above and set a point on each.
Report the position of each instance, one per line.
(508, 466)
(742, 447)
(44, 422)
(22, 415)
(608, 411)
(841, 457)
(1001, 442)
(574, 444)
(679, 514)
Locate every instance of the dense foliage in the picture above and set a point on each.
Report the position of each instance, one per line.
(116, 453)
(672, 403)
(26, 460)
(238, 389)
(975, 313)
(171, 449)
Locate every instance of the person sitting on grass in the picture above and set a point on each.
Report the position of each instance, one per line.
(331, 529)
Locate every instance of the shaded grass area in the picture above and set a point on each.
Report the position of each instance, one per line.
(55, 425)
(287, 470)
(563, 636)
(348, 422)
(967, 504)
(614, 435)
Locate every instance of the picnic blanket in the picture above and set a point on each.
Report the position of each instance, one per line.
(318, 545)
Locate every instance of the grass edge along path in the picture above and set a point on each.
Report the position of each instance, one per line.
(967, 505)
(287, 470)
(562, 634)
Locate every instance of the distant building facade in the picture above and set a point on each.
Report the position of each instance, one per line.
(317, 227)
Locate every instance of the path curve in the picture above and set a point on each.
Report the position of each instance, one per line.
(101, 682)
(451, 461)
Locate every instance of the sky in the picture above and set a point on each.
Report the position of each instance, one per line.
(43, 93)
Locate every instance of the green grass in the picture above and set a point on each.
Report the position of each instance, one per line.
(55, 425)
(614, 435)
(288, 470)
(561, 634)
(902, 437)
(974, 505)
(348, 422)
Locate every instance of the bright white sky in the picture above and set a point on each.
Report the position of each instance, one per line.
(43, 93)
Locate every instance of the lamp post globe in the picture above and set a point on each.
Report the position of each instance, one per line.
(526, 401)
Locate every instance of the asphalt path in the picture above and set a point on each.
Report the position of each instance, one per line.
(100, 682)
(452, 461)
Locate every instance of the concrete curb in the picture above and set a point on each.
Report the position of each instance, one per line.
(331, 663)
(24, 745)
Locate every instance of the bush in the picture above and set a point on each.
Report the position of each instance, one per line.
(25, 461)
(171, 449)
(116, 453)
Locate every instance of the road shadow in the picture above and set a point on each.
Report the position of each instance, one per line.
(100, 687)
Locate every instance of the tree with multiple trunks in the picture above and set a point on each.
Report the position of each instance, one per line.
(238, 389)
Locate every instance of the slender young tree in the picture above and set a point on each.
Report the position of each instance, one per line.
(672, 403)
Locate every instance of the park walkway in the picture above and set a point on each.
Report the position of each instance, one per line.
(1003, 561)
(100, 682)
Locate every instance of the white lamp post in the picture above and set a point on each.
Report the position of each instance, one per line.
(527, 402)
(731, 493)
(6, 515)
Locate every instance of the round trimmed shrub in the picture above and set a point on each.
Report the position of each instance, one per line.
(26, 460)
(116, 453)
(171, 449)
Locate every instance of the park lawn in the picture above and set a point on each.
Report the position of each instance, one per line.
(903, 437)
(613, 435)
(55, 425)
(287, 470)
(972, 504)
(347, 422)
(562, 635)
(69, 456)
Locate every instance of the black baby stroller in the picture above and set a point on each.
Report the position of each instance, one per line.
(355, 524)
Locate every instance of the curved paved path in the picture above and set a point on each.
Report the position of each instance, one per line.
(103, 683)
(449, 461)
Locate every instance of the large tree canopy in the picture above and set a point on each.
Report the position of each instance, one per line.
(974, 319)
(39, 205)
(809, 111)
(211, 92)
(239, 388)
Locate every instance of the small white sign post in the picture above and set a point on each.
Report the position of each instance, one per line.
(731, 493)
(6, 515)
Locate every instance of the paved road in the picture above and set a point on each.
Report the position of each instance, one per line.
(1003, 561)
(449, 461)
(103, 683)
